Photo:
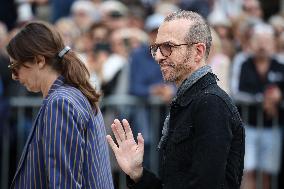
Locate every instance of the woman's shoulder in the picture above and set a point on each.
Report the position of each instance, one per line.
(69, 94)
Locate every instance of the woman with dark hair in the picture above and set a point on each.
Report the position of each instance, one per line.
(66, 147)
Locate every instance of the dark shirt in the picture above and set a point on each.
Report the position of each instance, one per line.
(60, 9)
(205, 146)
(8, 13)
(252, 83)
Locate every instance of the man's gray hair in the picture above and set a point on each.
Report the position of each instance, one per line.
(199, 31)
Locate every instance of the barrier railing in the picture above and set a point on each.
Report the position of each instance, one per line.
(244, 101)
(23, 109)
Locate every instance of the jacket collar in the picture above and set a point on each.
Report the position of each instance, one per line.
(193, 91)
(189, 83)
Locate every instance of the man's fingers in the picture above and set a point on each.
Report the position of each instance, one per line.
(112, 143)
(140, 140)
(120, 130)
(116, 135)
(128, 131)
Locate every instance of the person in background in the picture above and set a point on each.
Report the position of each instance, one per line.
(150, 81)
(260, 78)
(60, 9)
(203, 136)
(115, 14)
(222, 25)
(66, 146)
(68, 30)
(84, 14)
(219, 62)
(8, 13)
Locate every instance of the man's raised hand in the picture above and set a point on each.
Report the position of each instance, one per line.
(128, 153)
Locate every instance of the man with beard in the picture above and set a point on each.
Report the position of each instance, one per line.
(202, 145)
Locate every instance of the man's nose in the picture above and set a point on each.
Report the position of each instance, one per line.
(159, 56)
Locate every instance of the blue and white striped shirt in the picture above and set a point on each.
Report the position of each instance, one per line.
(67, 146)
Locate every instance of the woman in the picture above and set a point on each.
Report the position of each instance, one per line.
(66, 147)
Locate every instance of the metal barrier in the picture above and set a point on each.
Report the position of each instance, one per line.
(19, 107)
(122, 106)
(244, 101)
(112, 107)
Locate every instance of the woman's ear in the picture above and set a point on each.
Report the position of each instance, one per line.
(40, 60)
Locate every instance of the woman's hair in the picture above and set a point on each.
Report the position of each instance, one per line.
(39, 38)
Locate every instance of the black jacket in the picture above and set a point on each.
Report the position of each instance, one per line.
(205, 146)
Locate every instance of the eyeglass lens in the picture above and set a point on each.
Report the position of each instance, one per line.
(165, 49)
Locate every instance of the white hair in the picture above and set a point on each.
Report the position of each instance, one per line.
(263, 28)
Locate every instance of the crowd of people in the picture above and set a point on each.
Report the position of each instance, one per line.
(113, 38)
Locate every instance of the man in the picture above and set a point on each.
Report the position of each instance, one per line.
(202, 145)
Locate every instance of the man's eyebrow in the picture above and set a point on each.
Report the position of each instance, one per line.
(169, 42)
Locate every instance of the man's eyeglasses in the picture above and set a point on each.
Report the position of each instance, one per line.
(165, 48)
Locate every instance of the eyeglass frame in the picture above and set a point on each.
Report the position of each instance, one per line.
(157, 46)
(14, 67)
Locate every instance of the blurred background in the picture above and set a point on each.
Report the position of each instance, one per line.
(112, 38)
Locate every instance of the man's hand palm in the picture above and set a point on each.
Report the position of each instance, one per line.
(128, 153)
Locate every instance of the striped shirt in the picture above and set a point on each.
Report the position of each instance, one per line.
(66, 147)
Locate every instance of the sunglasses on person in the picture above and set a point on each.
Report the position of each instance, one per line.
(14, 67)
(165, 48)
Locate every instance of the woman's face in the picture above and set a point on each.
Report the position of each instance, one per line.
(27, 74)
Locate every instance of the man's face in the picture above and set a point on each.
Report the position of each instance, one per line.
(180, 63)
(263, 45)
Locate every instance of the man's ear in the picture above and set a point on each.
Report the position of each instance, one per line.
(200, 52)
(40, 60)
